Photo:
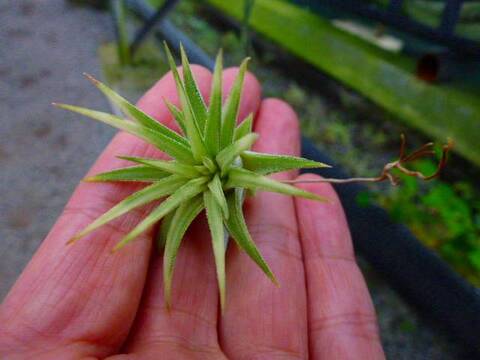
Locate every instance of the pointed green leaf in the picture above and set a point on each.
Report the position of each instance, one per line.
(193, 93)
(183, 194)
(265, 164)
(231, 152)
(153, 192)
(177, 115)
(134, 113)
(192, 130)
(244, 128)
(232, 105)
(133, 173)
(216, 189)
(214, 116)
(163, 231)
(242, 178)
(180, 222)
(163, 142)
(215, 223)
(171, 166)
(238, 230)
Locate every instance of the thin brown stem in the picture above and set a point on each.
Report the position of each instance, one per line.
(423, 151)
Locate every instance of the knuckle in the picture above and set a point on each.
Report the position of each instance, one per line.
(356, 323)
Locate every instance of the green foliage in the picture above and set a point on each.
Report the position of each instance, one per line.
(172, 231)
(123, 46)
(443, 216)
(133, 173)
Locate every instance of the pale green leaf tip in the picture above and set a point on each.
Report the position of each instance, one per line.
(117, 247)
(319, 198)
(318, 165)
(167, 102)
(183, 53)
(75, 238)
(91, 179)
(271, 276)
(323, 199)
(69, 107)
(165, 45)
(168, 302)
(222, 305)
(167, 294)
(71, 241)
(91, 79)
(168, 52)
(127, 158)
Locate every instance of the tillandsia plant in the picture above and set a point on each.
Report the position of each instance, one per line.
(212, 168)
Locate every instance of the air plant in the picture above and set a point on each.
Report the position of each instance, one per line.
(212, 168)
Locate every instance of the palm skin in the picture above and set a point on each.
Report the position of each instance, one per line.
(82, 302)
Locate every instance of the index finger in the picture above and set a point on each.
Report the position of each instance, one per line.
(82, 299)
(341, 317)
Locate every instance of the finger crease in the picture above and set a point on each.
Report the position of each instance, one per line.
(283, 236)
(270, 352)
(178, 341)
(318, 255)
(360, 324)
(181, 312)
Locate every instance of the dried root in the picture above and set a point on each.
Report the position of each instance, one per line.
(386, 174)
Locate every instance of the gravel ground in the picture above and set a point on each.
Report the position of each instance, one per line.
(44, 152)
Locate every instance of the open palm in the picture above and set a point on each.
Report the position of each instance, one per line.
(81, 301)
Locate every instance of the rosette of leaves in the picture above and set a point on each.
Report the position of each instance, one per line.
(211, 168)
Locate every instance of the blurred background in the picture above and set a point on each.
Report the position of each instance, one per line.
(359, 74)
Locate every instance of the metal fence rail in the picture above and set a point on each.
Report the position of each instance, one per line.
(393, 15)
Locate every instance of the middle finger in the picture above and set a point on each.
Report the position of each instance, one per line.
(262, 321)
(189, 328)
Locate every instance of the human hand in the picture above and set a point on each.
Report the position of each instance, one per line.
(82, 301)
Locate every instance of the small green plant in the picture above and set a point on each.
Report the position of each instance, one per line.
(212, 168)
